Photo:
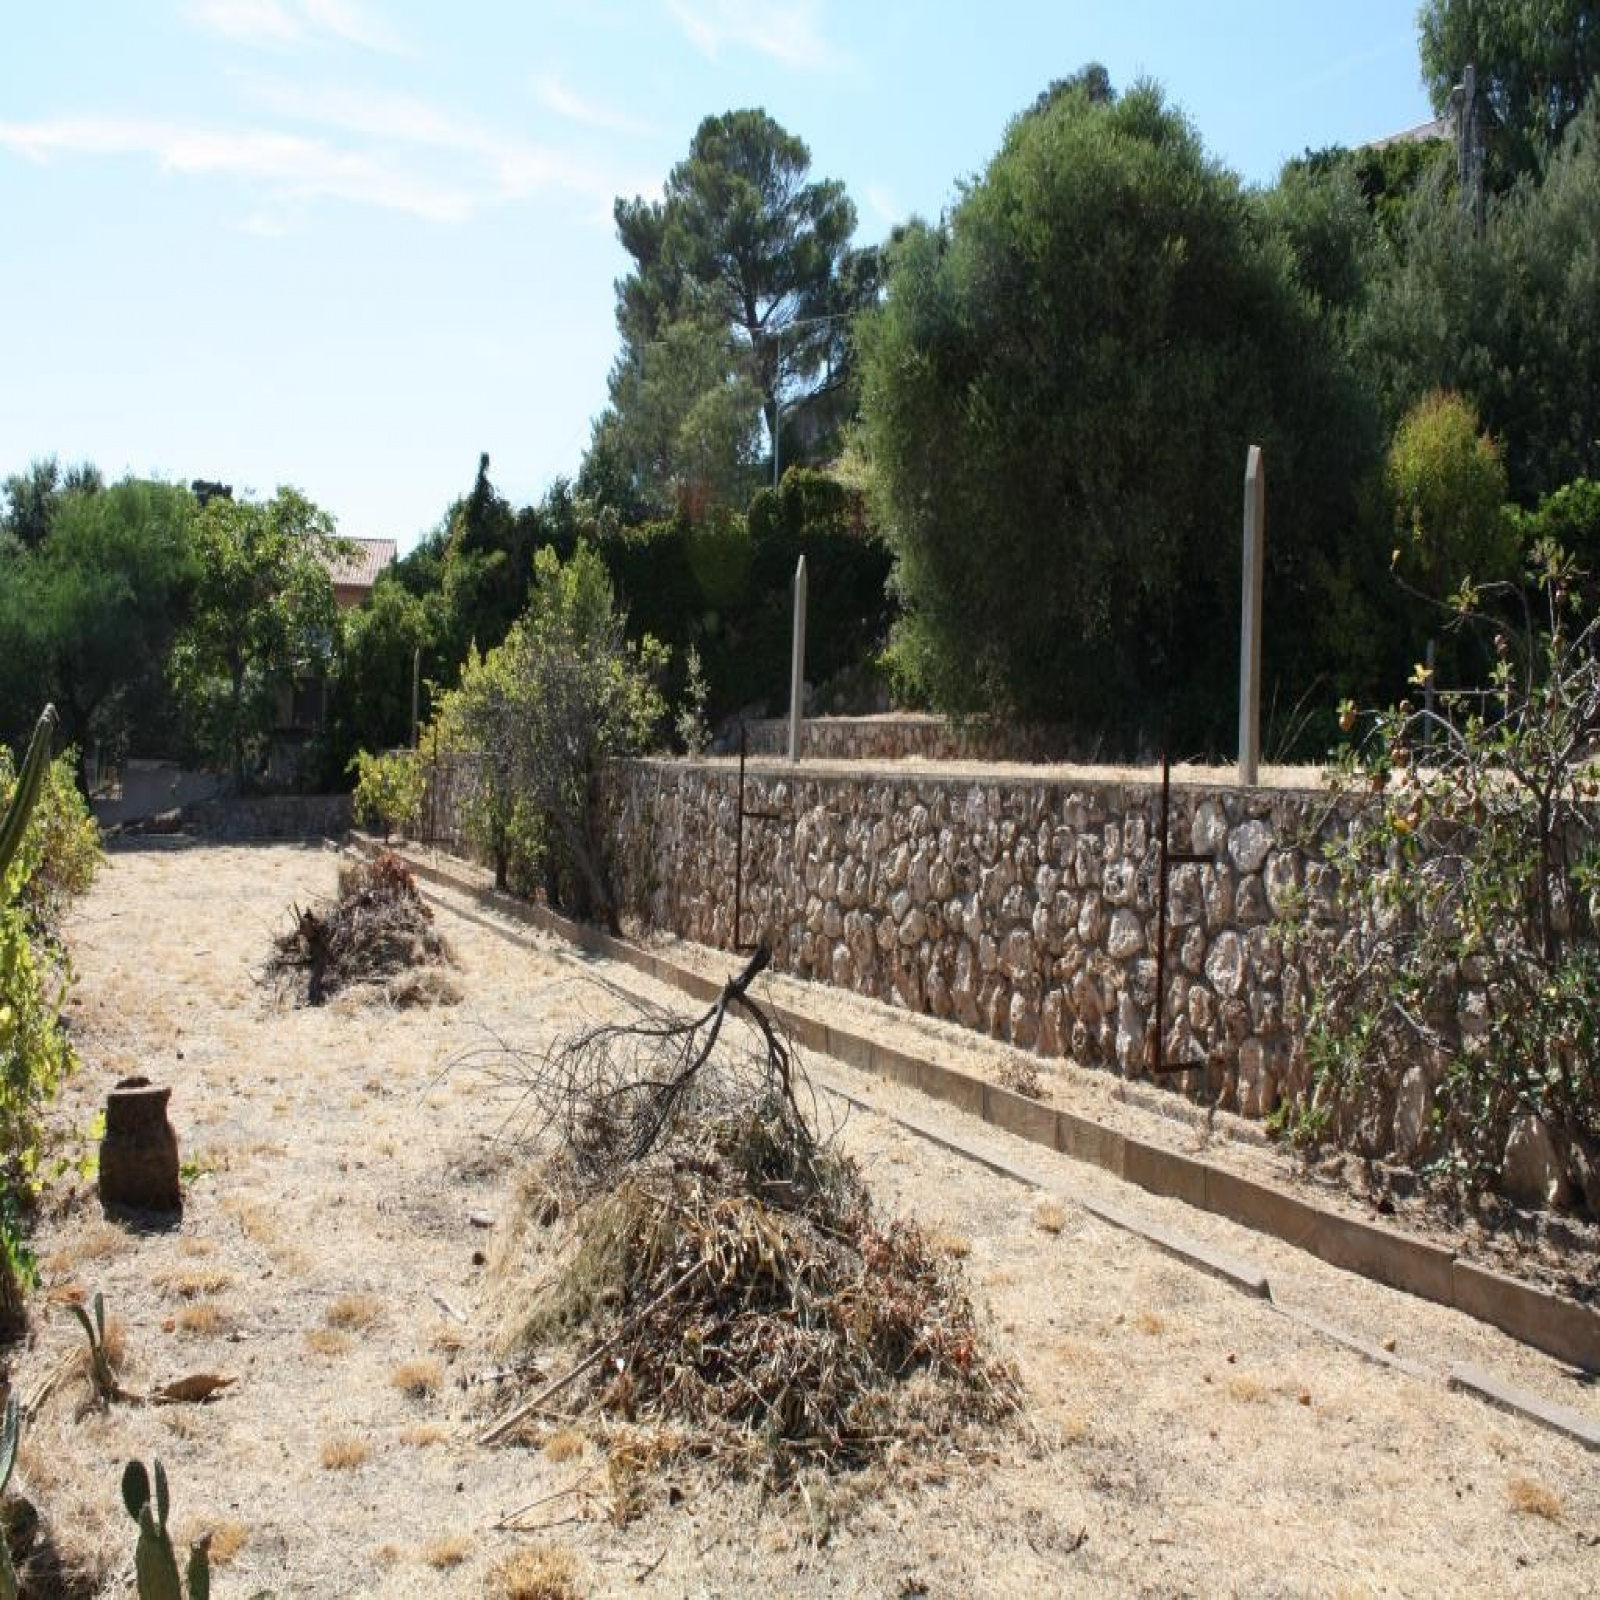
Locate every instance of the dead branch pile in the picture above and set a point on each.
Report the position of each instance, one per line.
(725, 1274)
(378, 932)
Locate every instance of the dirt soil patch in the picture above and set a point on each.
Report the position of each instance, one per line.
(344, 1253)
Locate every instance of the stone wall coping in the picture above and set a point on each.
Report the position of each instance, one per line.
(1186, 778)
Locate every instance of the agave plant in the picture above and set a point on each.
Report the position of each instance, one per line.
(10, 1431)
(26, 796)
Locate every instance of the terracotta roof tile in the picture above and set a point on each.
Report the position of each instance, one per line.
(360, 570)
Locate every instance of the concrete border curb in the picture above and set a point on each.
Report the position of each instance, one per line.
(1559, 1327)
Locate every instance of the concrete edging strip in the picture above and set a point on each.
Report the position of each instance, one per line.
(1559, 1327)
(1508, 1397)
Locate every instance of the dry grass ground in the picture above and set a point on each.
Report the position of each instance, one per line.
(1181, 1438)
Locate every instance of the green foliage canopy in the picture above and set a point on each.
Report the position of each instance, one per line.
(1447, 487)
(1505, 316)
(563, 692)
(742, 274)
(88, 612)
(1058, 395)
(1536, 62)
(263, 613)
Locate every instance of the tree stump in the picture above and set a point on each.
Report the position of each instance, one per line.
(139, 1153)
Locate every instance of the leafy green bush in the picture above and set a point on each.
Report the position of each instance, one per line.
(1447, 488)
(389, 788)
(1466, 864)
(55, 857)
(564, 692)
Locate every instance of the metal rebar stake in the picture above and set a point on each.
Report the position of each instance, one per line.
(1159, 1065)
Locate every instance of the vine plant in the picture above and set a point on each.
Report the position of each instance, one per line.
(1466, 863)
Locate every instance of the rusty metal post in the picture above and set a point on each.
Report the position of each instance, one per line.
(1159, 1065)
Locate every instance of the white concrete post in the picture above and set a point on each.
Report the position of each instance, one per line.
(1255, 522)
(797, 661)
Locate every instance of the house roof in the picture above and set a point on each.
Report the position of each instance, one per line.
(360, 569)
(1439, 128)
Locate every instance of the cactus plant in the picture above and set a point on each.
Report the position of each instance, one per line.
(26, 795)
(10, 1432)
(155, 1564)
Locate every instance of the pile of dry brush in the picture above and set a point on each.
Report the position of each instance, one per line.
(378, 932)
(722, 1273)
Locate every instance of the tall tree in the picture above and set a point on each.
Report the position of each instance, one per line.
(32, 497)
(1535, 60)
(263, 613)
(748, 255)
(1503, 315)
(1058, 395)
(91, 611)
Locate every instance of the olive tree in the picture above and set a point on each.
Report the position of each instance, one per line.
(1058, 395)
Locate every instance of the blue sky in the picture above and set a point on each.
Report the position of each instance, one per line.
(348, 244)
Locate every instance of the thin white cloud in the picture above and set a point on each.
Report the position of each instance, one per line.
(789, 33)
(253, 21)
(511, 167)
(278, 23)
(290, 167)
(355, 24)
(556, 96)
(393, 152)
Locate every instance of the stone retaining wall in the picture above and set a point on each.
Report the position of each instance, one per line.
(309, 816)
(1023, 907)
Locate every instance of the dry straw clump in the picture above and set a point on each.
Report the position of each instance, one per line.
(417, 1379)
(345, 1452)
(539, 1572)
(1533, 1499)
(378, 935)
(723, 1272)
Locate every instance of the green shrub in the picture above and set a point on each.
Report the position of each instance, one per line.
(389, 788)
(1465, 864)
(55, 858)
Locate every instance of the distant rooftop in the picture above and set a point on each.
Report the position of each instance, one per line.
(360, 569)
(1439, 128)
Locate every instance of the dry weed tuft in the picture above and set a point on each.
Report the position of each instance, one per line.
(354, 1311)
(1247, 1389)
(344, 1452)
(540, 1572)
(449, 1338)
(449, 1551)
(1533, 1499)
(1050, 1215)
(97, 1242)
(327, 1341)
(228, 1538)
(206, 1317)
(257, 1221)
(417, 1379)
(196, 1247)
(1149, 1322)
(956, 1246)
(424, 1434)
(191, 1282)
(565, 1445)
